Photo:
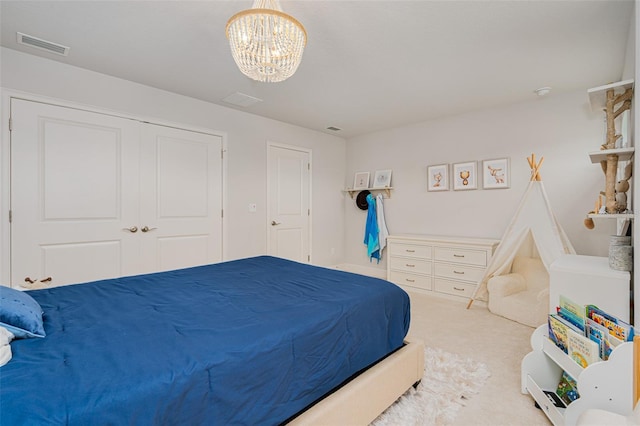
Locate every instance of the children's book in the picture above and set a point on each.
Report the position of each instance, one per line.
(600, 334)
(558, 330)
(582, 349)
(554, 399)
(617, 328)
(572, 312)
(567, 389)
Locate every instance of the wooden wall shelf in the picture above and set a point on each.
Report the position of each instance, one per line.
(624, 154)
(372, 190)
(598, 95)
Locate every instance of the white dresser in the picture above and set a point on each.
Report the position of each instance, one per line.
(445, 265)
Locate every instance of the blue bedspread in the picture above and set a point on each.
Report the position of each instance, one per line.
(252, 341)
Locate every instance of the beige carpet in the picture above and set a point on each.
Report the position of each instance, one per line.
(498, 343)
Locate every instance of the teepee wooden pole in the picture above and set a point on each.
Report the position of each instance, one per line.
(535, 168)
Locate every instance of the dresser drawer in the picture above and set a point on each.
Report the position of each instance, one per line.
(455, 288)
(468, 257)
(405, 279)
(458, 272)
(418, 266)
(409, 250)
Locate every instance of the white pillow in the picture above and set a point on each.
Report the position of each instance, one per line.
(5, 348)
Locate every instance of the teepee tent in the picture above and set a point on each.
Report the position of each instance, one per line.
(533, 224)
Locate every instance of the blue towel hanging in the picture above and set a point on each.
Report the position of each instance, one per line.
(371, 232)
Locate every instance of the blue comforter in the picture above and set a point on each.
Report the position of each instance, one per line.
(252, 341)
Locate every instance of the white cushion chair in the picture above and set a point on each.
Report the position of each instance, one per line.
(523, 294)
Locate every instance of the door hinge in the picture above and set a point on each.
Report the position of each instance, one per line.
(308, 212)
(222, 213)
(10, 216)
(222, 153)
(10, 124)
(308, 258)
(308, 166)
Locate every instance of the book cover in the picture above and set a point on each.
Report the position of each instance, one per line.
(567, 389)
(581, 349)
(555, 399)
(601, 336)
(558, 331)
(572, 312)
(617, 328)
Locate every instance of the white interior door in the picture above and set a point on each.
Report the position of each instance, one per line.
(181, 200)
(289, 205)
(74, 187)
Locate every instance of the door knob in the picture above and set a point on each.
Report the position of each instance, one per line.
(274, 223)
(147, 229)
(133, 229)
(44, 280)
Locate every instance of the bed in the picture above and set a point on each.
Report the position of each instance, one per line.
(254, 341)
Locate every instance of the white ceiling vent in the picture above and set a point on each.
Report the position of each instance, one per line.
(39, 43)
(241, 100)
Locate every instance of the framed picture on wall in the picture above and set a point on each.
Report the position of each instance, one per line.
(438, 177)
(496, 173)
(382, 179)
(465, 176)
(361, 180)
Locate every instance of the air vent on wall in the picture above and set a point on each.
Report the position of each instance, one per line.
(39, 43)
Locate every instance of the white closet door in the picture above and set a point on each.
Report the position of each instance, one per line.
(74, 194)
(180, 198)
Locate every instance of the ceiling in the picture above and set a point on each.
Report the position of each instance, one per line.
(368, 65)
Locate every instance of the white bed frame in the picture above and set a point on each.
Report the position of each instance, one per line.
(367, 395)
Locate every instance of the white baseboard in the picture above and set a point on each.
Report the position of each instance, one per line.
(362, 270)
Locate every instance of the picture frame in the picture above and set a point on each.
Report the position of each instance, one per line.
(361, 180)
(382, 179)
(465, 176)
(496, 173)
(438, 177)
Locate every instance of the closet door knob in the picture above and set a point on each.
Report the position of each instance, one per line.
(133, 229)
(44, 280)
(274, 223)
(147, 229)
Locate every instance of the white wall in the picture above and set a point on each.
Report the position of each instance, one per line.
(560, 127)
(246, 136)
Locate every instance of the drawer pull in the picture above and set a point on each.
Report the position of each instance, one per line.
(410, 265)
(458, 272)
(410, 251)
(411, 281)
(458, 255)
(458, 289)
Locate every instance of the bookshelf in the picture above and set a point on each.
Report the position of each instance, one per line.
(607, 385)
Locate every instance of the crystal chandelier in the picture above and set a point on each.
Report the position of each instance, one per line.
(266, 43)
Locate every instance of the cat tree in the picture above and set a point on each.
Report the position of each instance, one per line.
(610, 165)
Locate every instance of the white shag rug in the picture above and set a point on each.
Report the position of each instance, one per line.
(448, 381)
